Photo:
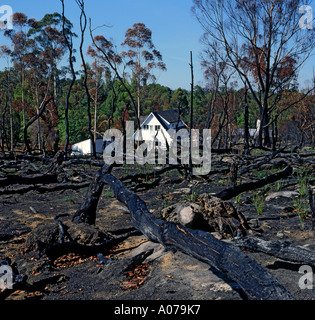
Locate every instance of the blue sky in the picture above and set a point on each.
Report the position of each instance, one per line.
(175, 32)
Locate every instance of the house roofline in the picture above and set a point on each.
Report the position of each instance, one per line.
(162, 120)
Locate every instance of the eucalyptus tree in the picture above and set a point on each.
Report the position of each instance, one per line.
(142, 56)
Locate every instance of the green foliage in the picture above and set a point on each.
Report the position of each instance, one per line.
(155, 97)
(38, 47)
(259, 201)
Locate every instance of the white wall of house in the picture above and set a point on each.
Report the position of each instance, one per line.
(152, 129)
(85, 147)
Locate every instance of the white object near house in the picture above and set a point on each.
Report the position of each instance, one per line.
(253, 133)
(155, 126)
(85, 147)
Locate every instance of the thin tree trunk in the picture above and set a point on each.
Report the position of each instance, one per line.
(23, 103)
(191, 110)
(32, 121)
(139, 111)
(38, 120)
(114, 68)
(95, 116)
(276, 130)
(55, 83)
(264, 126)
(11, 129)
(246, 123)
(83, 23)
(139, 100)
(39, 132)
(70, 47)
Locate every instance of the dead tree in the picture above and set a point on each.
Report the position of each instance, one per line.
(246, 122)
(191, 123)
(83, 24)
(280, 249)
(256, 281)
(230, 193)
(311, 198)
(69, 43)
(201, 245)
(40, 181)
(87, 211)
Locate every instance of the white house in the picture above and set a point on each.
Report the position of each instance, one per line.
(85, 147)
(155, 126)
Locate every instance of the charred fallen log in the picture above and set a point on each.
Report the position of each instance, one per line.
(53, 174)
(150, 175)
(256, 281)
(147, 185)
(258, 164)
(28, 179)
(89, 162)
(54, 178)
(44, 188)
(280, 249)
(230, 193)
(55, 165)
(54, 239)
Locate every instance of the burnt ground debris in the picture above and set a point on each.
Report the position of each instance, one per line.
(168, 275)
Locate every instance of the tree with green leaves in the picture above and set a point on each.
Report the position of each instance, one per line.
(50, 41)
(179, 101)
(22, 46)
(142, 56)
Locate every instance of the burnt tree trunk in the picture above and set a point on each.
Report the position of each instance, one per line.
(246, 123)
(191, 111)
(72, 81)
(28, 179)
(230, 193)
(87, 210)
(83, 23)
(256, 281)
(311, 198)
(280, 249)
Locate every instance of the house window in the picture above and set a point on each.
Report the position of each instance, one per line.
(157, 128)
(146, 127)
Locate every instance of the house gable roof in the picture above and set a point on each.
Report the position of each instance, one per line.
(168, 116)
(156, 114)
(165, 118)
